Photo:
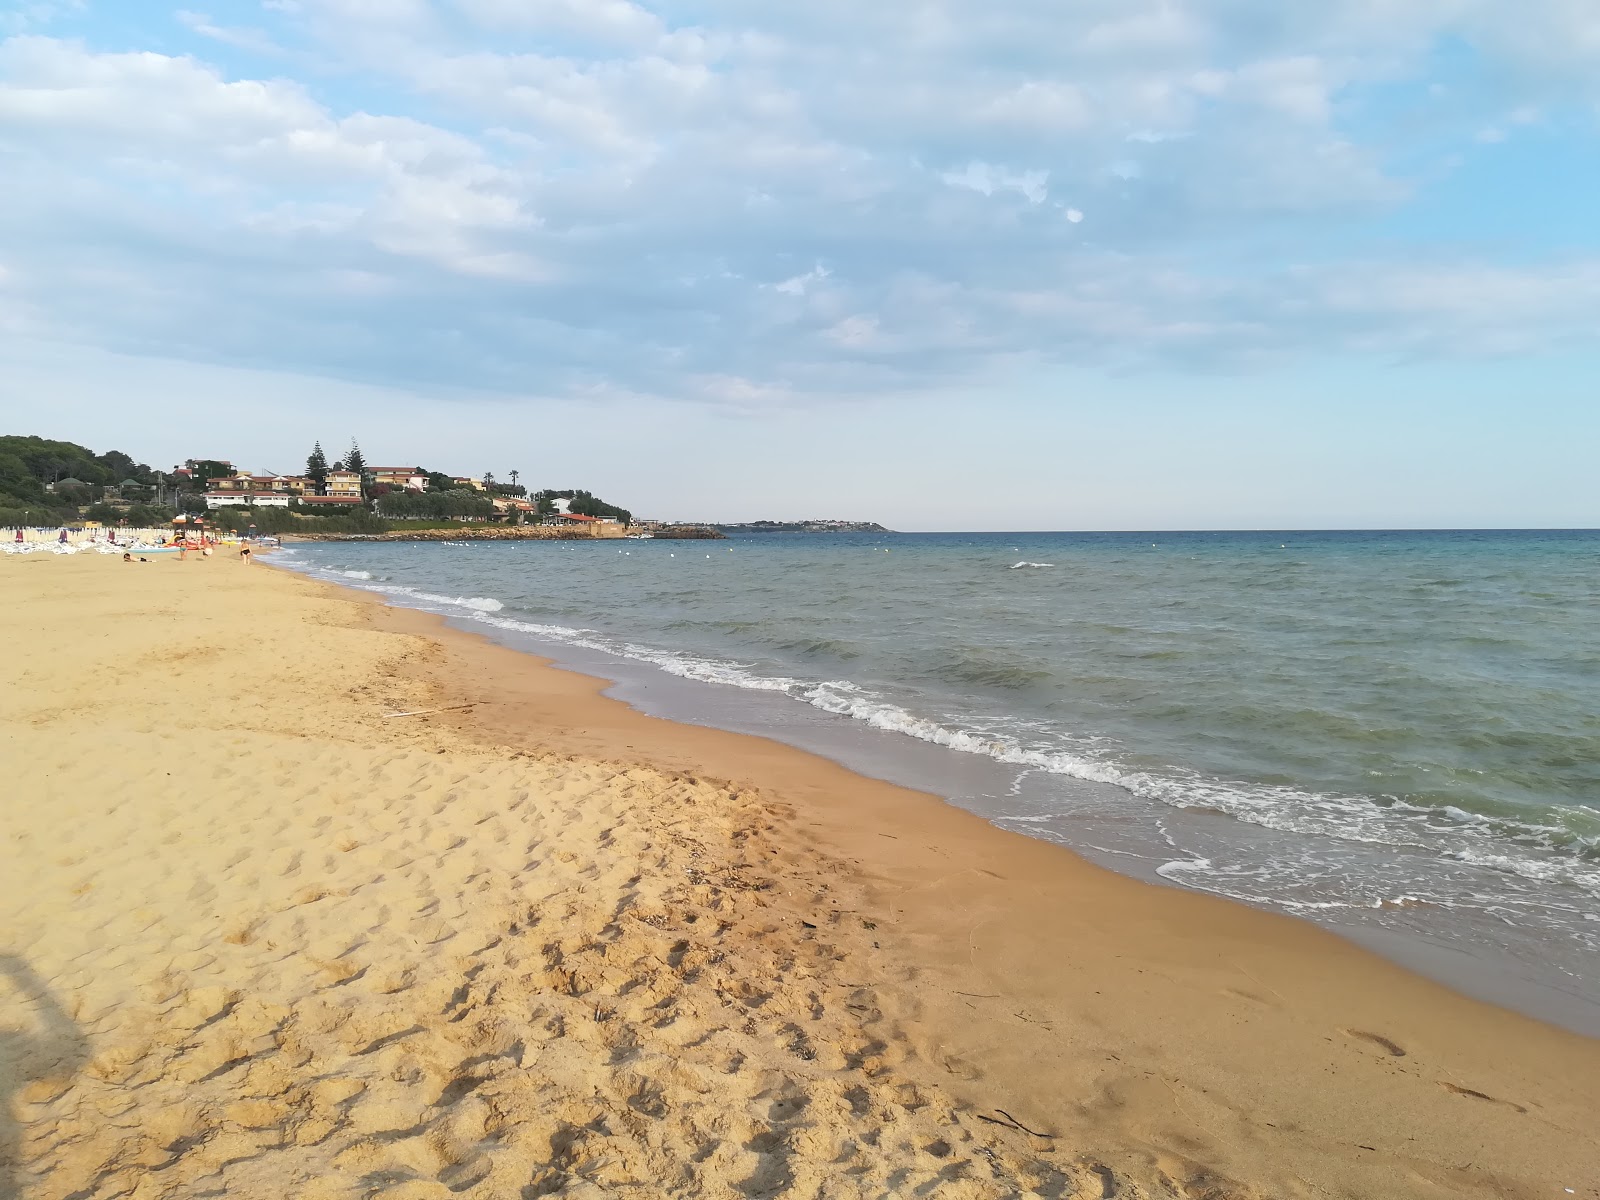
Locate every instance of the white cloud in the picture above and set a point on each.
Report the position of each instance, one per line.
(254, 40)
(987, 179)
(602, 192)
(859, 332)
(796, 285)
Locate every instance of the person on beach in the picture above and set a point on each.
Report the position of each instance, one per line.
(244, 555)
(126, 557)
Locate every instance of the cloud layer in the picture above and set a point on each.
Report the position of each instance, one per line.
(753, 205)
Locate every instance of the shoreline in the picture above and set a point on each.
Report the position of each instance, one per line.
(1466, 952)
(1163, 1040)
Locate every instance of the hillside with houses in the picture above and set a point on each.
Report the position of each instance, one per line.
(45, 483)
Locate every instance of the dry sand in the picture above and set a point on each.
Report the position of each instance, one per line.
(262, 941)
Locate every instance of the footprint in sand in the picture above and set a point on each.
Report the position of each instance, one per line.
(1468, 1092)
(1377, 1039)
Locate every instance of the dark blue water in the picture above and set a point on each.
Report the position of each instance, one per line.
(1391, 723)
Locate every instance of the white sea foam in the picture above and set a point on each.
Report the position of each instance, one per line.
(1479, 841)
(482, 604)
(1287, 810)
(1020, 565)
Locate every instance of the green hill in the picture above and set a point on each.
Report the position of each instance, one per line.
(43, 482)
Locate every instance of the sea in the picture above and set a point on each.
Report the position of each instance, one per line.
(1394, 734)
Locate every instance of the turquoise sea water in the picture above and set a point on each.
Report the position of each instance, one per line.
(1384, 723)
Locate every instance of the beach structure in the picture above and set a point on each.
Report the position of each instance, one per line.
(330, 502)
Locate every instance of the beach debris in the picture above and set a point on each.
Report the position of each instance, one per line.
(422, 712)
(1010, 1122)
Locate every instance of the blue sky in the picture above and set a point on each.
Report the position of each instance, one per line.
(1026, 264)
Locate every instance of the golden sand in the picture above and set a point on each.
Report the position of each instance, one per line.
(261, 940)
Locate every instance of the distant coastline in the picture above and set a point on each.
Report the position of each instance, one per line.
(472, 532)
(803, 527)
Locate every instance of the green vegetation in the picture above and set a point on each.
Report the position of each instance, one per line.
(44, 482)
(353, 461)
(415, 506)
(317, 469)
(208, 468)
(583, 503)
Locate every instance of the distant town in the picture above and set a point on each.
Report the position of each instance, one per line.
(48, 483)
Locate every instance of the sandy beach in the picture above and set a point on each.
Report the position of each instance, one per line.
(262, 938)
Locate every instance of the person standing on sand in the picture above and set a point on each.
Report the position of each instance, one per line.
(244, 554)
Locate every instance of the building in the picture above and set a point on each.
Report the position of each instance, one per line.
(344, 483)
(413, 479)
(265, 482)
(513, 506)
(224, 499)
(465, 481)
(331, 502)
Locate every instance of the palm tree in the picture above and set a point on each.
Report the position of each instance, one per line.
(488, 480)
(515, 475)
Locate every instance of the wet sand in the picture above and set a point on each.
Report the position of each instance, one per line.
(263, 939)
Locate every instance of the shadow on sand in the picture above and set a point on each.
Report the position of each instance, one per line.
(51, 1048)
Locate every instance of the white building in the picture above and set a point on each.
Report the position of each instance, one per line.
(258, 499)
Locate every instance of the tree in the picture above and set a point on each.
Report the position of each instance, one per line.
(515, 475)
(354, 462)
(208, 468)
(488, 481)
(438, 482)
(583, 503)
(317, 469)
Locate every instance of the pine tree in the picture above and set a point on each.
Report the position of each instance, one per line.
(317, 469)
(354, 462)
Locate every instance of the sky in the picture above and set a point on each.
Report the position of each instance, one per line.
(1015, 264)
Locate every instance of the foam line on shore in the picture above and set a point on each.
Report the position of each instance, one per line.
(1551, 852)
